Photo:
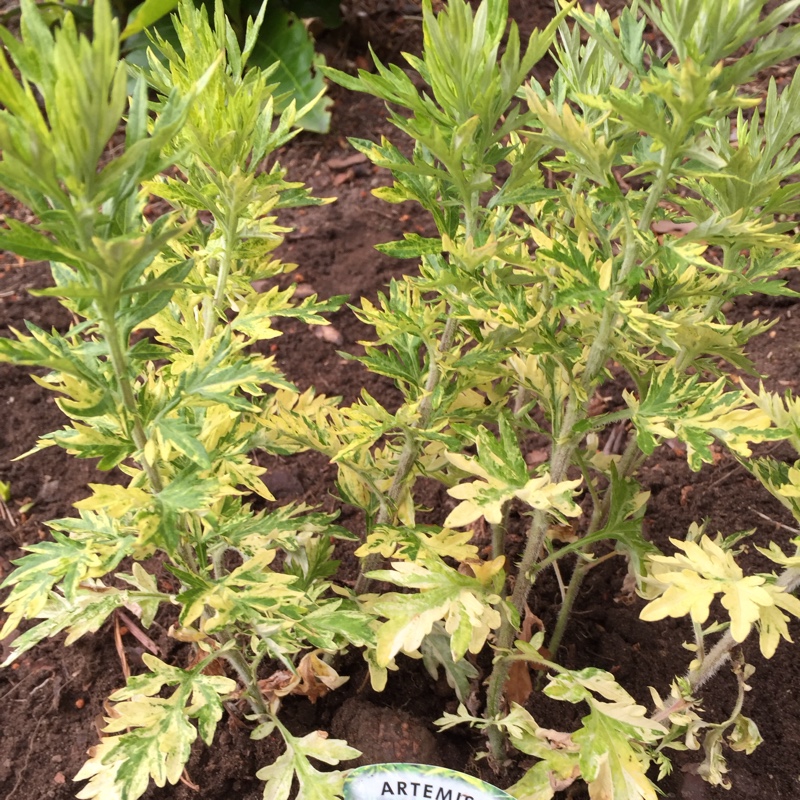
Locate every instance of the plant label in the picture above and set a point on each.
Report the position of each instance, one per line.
(420, 781)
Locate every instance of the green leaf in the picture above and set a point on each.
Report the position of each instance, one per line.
(414, 246)
(294, 765)
(146, 14)
(503, 475)
(613, 757)
(436, 652)
(184, 438)
(159, 732)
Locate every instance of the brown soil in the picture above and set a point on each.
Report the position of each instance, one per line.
(50, 701)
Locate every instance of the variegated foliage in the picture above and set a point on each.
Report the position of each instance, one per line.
(552, 265)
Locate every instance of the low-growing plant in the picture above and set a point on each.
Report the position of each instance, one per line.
(549, 275)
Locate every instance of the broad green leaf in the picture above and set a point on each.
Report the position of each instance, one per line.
(285, 41)
(146, 14)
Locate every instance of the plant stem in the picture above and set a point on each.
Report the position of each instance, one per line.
(210, 306)
(657, 189)
(410, 451)
(111, 333)
(563, 451)
(628, 464)
(252, 692)
(699, 641)
(499, 533)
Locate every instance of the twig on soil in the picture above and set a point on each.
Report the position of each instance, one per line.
(16, 685)
(138, 633)
(187, 781)
(126, 670)
(24, 766)
(775, 522)
(722, 478)
(5, 514)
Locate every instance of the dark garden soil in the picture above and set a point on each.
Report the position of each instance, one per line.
(51, 700)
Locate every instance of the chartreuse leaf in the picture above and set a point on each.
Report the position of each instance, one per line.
(612, 741)
(146, 14)
(467, 605)
(159, 730)
(294, 764)
(250, 592)
(504, 475)
(687, 582)
(611, 762)
(90, 607)
(407, 543)
(64, 561)
(696, 413)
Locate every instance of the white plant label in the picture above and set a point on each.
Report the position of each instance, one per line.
(416, 782)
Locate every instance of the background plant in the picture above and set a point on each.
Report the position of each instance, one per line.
(284, 42)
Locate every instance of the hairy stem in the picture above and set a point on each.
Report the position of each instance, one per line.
(211, 305)
(657, 189)
(499, 533)
(628, 464)
(252, 692)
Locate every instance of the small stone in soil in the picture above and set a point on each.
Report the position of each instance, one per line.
(384, 735)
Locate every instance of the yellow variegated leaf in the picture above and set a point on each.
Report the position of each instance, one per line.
(688, 582)
(115, 500)
(744, 600)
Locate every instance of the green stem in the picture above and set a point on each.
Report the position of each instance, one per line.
(252, 692)
(566, 607)
(410, 451)
(628, 464)
(111, 333)
(562, 454)
(657, 189)
(699, 638)
(210, 306)
(499, 533)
